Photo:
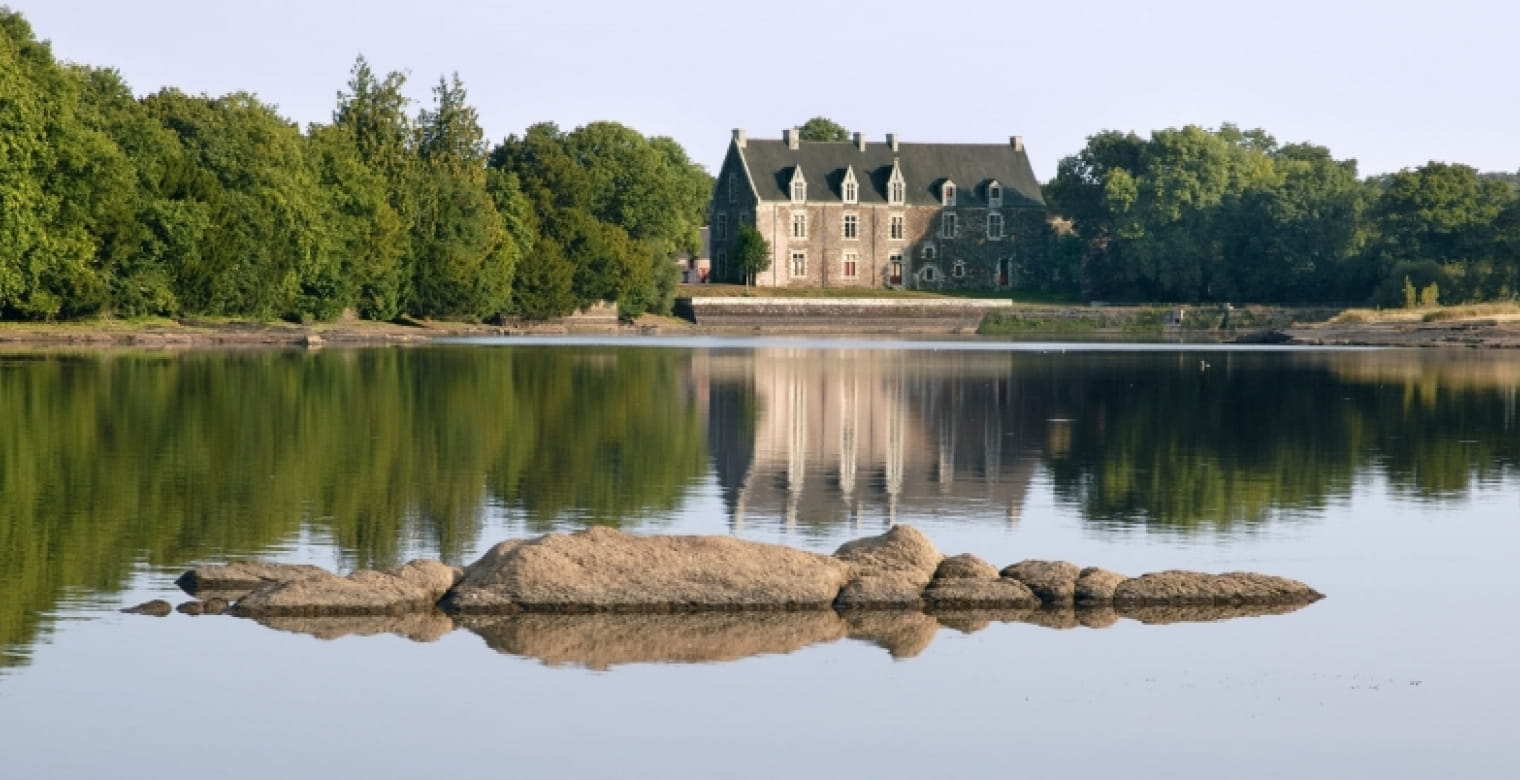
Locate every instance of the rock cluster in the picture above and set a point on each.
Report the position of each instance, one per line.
(602, 570)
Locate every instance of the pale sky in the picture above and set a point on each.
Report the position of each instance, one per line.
(1393, 84)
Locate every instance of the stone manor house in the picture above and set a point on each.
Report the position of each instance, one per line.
(892, 214)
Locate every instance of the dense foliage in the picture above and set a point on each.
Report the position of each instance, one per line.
(177, 204)
(1197, 215)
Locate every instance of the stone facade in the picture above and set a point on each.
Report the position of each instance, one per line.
(858, 214)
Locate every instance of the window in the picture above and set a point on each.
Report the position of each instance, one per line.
(929, 253)
(720, 228)
(929, 274)
(994, 225)
(899, 190)
(851, 265)
(895, 268)
(799, 224)
(895, 229)
(1002, 272)
(799, 189)
(947, 194)
(851, 226)
(732, 186)
(947, 225)
(799, 263)
(850, 190)
(995, 195)
(722, 264)
(959, 269)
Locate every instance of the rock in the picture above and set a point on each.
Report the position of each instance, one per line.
(880, 592)
(888, 571)
(242, 577)
(1054, 582)
(901, 550)
(154, 608)
(965, 567)
(414, 586)
(214, 606)
(191, 608)
(1180, 588)
(605, 570)
(604, 640)
(1095, 586)
(994, 593)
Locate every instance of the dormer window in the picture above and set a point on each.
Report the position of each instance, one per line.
(897, 189)
(799, 187)
(947, 194)
(994, 195)
(850, 189)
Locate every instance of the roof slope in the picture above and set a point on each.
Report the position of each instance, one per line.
(924, 167)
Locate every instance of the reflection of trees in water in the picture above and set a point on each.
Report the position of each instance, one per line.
(108, 461)
(1219, 440)
(1186, 441)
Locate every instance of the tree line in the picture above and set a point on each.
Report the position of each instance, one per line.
(176, 204)
(1191, 214)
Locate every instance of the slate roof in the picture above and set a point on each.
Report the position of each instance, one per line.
(924, 168)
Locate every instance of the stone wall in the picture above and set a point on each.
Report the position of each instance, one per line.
(862, 315)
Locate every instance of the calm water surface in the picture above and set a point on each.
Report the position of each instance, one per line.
(1388, 479)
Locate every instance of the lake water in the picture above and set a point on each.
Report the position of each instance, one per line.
(1389, 480)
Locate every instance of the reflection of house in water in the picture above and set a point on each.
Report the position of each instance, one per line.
(814, 437)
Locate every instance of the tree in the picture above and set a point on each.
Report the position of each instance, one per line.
(616, 204)
(823, 129)
(752, 253)
(1449, 216)
(463, 256)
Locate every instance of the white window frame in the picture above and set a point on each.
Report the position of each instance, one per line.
(994, 226)
(947, 225)
(897, 188)
(958, 269)
(994, 195)
(947, 194)
(930, 254)
(799, 187)
(896, 227)
(850, 265)
(850, 189)
(799, 224)
(798, 266)
(849, 227)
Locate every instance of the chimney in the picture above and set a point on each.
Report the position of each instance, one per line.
(860, 142)
(892, 141)
(1018, 142)
(793, 137)
(740, 137)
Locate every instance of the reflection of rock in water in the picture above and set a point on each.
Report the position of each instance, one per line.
(1204, 613)
(601, 641)
(417, 626)
(903, 634)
